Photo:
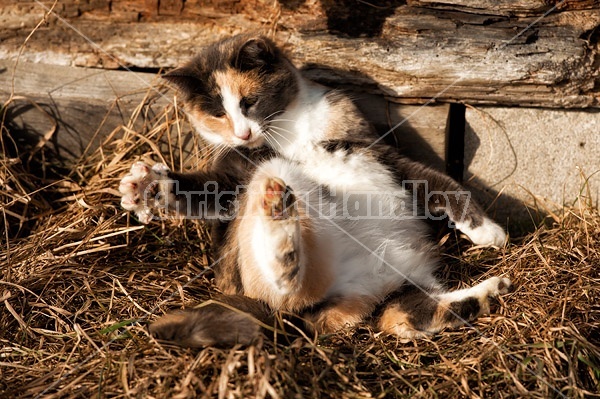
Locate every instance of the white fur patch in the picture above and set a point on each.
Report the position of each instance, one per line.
(241, 124)
(491, 287)
(303, 123)
(488, 234)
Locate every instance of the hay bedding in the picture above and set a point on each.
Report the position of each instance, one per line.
(80, 279)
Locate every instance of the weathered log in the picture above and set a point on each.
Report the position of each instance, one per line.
(473, 51)
(87, 104)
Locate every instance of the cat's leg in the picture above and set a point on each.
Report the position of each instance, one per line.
(198, 194)
(442, 195)
(282, 258)
(415, 313)
(340, 313)
(225, 321)
(270, 234)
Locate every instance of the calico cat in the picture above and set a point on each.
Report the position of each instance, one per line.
(311, 214)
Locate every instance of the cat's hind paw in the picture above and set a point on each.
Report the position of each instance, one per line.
(278, 234)
(495, 286)
(140, 188)
(278, 200)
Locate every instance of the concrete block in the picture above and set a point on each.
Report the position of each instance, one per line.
(517, 158)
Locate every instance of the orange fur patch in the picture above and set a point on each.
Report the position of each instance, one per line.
(397, 322)
(317, 277)
(346, 312)
(240, 84)
(222, 126)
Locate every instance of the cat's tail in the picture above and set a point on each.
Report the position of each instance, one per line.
(224, 321)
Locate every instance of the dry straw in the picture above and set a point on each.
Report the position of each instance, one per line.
(80, 279)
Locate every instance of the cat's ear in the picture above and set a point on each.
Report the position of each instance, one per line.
(184, 79)
(256, 53)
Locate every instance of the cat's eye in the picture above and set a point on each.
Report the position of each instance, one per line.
(219, 114)
(246, 103)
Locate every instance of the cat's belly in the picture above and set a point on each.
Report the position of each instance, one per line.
(375, 257)
(373, 240)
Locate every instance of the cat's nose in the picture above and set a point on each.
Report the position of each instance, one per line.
(244, 134)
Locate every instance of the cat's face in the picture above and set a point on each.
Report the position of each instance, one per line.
(233, 88)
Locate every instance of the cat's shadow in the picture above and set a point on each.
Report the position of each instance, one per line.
(350, 17)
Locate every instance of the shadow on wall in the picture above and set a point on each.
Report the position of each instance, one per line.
(519, 217)
(353, 18)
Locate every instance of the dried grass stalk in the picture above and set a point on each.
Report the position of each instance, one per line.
(80, 278)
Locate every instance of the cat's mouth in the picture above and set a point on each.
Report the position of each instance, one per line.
(255, 140)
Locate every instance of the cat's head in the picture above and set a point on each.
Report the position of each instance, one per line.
(233, 87)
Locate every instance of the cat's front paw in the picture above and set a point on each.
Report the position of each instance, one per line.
(488, 233)
(140, 188)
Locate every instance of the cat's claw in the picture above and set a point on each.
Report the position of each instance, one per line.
(140, 188)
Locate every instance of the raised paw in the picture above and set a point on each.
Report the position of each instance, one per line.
(278, 200)
(140, 188)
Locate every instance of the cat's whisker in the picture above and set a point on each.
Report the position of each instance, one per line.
(271, 139)
(283, 120)
(279, 128)
(273, 132)
(210, 151)
(216, 151)
(277, 141)
(268, 138)
(273, 114)
(281, 134)
(222, 151)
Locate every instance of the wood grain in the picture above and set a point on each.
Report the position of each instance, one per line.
(472, 51)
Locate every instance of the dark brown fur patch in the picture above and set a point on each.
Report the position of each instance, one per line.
(460, 311)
